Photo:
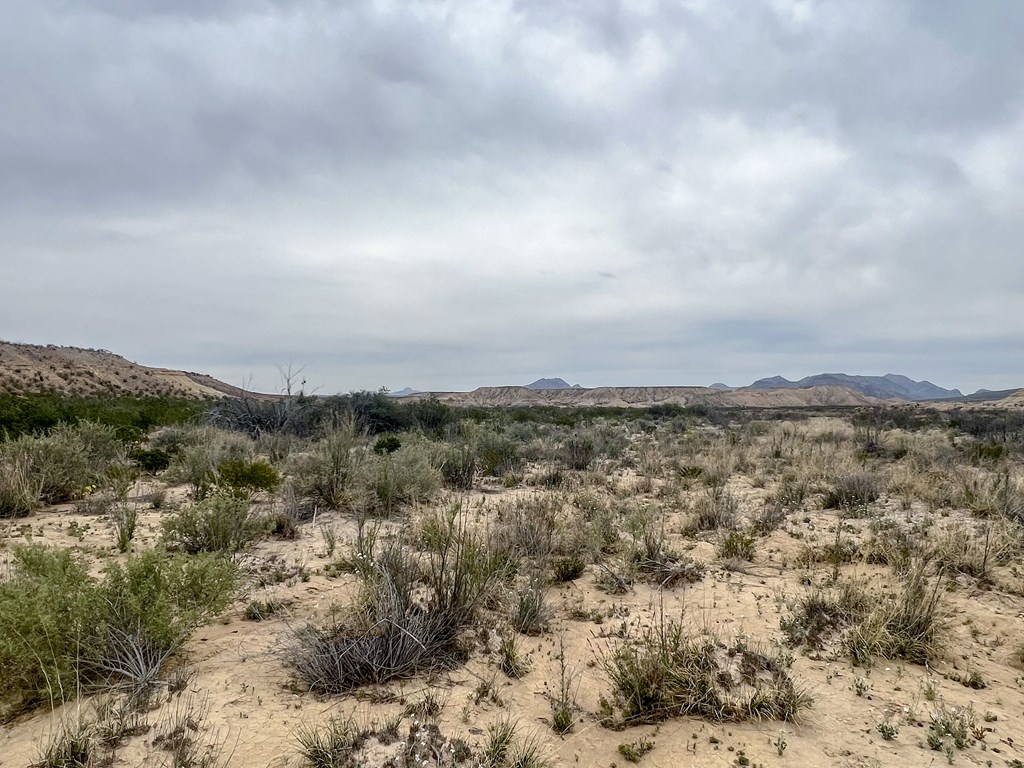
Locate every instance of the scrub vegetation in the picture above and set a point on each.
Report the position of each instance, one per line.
(469, 586)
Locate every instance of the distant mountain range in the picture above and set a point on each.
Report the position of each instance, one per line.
(885, 387)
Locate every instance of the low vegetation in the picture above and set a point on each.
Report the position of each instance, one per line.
(448, 563)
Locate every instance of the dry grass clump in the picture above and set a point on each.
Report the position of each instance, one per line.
(529, 526)
(19, 490)
(848, 492)
(974, 550)
(905, 624)
(652, 558)
(668, 672)
(714, 510)
(817, 618)
(414, 611)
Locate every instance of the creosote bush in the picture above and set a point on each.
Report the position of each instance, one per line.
(220, 523)
(243, 478)
(63, 629)
(56, 467)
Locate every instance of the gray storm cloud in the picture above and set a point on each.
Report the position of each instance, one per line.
(455, 194)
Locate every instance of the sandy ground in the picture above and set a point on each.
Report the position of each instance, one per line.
(255, 709)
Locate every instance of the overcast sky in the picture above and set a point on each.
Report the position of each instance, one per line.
(455, 194)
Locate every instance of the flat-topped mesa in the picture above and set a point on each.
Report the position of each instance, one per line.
(643, 397)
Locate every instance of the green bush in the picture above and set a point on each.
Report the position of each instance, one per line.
(578, 452)
(65, 462)
(220, 523)
(242, 478)
(129, 417)
(568, 568)
(198, 452)
(402, 477)
(851, 491)
(387, 444)
(737, 544)
(63, 630)
(151, 460)
(497, 454)
(327, 474)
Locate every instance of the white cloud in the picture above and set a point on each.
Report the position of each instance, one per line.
(451, 194)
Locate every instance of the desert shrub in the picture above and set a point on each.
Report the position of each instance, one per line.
(130, 417)
(578, 452)
(243, 478)
(792, 491)
(151, 460)
(64, 462)
(568, 568)
(387, 444)
(772, 515)
(220, 523)
(905, 624)
(332, 746)
(124, 519)
(413, 611)
(634, 750)
(160, 597)
(497, 454)
(63, 630)
(457, 464)
(258, 610)
(511, 659)
(199, 452)
(737, 544)
(74, 744)
(530, 609)
(852, 491)
(891, 545)
(402, 477)
(997, 495)
(714, 510)
(975, 550)
(19, 489)
(668, 672)
(327, 474)
(502, 748)
(528, 526)
(952, 728)
(839, 551)
(49, 607)
(563, 703)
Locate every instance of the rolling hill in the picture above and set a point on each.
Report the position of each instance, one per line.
(30, 368)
